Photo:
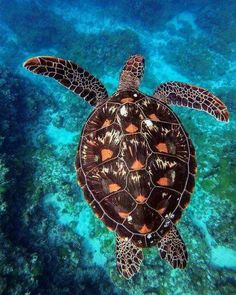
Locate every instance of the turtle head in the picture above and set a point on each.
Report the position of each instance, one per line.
(132, 72)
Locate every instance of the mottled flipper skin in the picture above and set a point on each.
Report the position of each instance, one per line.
(172, 249)
(191, 96)
(69, 74)
(129, 257)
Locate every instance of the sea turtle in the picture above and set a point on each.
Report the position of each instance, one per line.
(135, 161)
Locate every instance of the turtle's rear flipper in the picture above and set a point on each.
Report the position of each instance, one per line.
(70, 75)
(172, 249)
(191, 96)
(129, 257)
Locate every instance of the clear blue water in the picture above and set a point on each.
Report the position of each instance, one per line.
(50, 242)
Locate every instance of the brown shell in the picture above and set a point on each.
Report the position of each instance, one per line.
(136, 165)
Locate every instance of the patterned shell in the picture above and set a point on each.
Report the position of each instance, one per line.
(136, 166)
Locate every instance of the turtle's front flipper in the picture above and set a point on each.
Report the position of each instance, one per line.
(129, 257)
(70, 75)
(183, 94)
(172, 249)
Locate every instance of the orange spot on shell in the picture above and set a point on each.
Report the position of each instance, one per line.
(123, 214)
(131, 128)
(153, 117)
(106, 154)
(185, 205)
(113, 187)
(177, 220)
(106, 123)
(127, 99)
(144, 229)
(140, 199)
(137, 165)
(165, 181)
(162, 147)
(161, 210)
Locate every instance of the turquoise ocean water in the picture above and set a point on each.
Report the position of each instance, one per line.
(50, 241)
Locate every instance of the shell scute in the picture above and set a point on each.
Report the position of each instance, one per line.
(164, 200)
(156, 111)
(123, 232)
(100, 146)
(107, 178)
(139, 185)
(185, 200)
(130, 118)
(97, 209)
(102, 117)
(126, 97)
(166, 138)
(143, 220)
(118, 206)
(109, 222)
(135, 151)
(167, 172)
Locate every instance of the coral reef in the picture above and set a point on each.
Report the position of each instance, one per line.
(3, 183)
(35, 251)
